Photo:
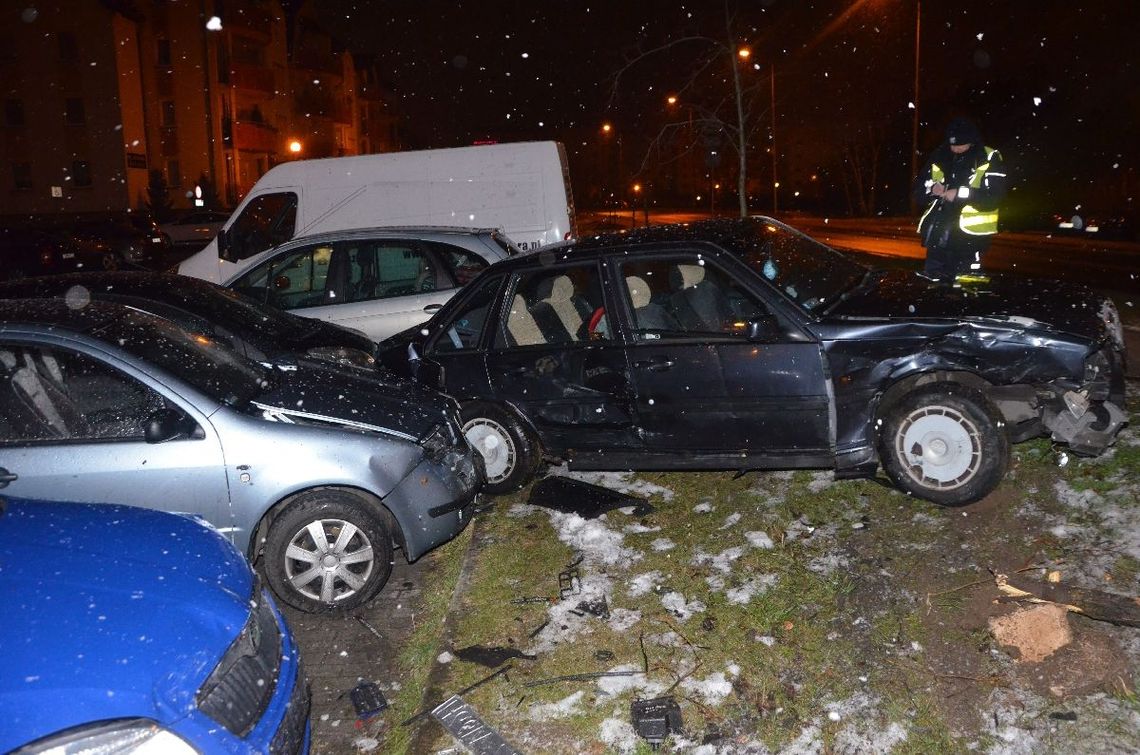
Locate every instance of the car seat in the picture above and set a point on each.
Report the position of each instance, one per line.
(647, 314)
(697, 303)
(38, 400)
(521, 325)
(561, 314)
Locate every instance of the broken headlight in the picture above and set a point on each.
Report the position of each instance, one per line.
(343, 355)
(438, 441)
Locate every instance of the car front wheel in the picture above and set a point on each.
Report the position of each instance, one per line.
(510, 452)
(327, 550)
(944, 444)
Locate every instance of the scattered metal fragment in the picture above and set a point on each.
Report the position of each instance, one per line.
(581, 498)
(369, 627)
(644, 655)
(367, 700)
(534, 632)
(603, 655)
(533, 599)
(655, 719)
(599, 608)
(459, 718)
(1066, 715)
(491, 657)
(569, 582)
(580, 677)
(500, 672)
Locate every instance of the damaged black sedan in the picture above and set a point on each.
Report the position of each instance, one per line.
(745, 344)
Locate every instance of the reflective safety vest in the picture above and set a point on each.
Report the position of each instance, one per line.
(971, 220)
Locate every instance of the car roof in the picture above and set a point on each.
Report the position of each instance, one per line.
(57, 313)
(152, 285)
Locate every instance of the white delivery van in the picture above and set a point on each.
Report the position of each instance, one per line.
(522, 189)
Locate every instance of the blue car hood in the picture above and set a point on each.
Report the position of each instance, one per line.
(110, 611)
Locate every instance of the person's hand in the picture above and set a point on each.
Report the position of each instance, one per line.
(938, 190)
(950, 195)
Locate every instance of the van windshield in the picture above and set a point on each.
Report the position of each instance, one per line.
(267, 221)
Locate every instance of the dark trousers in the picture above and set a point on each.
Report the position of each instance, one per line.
(960, 253)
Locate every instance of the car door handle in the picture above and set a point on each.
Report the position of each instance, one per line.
(657, 364)
(432, 307)
(515, 371)
(7, 477)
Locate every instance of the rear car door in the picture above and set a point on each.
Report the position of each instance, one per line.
(71, 428)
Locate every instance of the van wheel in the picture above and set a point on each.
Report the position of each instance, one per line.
(510, 451)
(327, 550)
(945, 444)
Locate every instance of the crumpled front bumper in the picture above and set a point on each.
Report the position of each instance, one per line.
(1088, 427)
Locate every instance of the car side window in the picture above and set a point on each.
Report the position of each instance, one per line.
(557, 306)
(462, 264)
(685, 296)
(294, 280)
(267, 221)
(465, 326)
(57, 395)
(389, 268)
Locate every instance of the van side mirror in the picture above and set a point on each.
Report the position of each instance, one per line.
(763, 329)
(224, 251)
(168, 424)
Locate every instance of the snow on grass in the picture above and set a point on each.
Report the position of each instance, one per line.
(704, 507)
(676, 604)
(564, 708)
(638, 528)
(630, 678)
(759, 540)
(821, 481)
(643, 583)
(722, 561)
(618, 735)
(714, 688)
(597, 543)
(731, 520)
(752, 587)
(662, 544)
(622, 619)
(828, 563)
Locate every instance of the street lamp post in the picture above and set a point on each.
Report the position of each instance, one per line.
(914, 125)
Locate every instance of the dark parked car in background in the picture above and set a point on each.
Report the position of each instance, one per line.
(28, 251)
(259, 332)
(747, 345)
(147, 633)
(121, 240)
(195, 229)
(315, 471)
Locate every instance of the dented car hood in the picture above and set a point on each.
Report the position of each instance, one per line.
(360, 398)
(1023, 302)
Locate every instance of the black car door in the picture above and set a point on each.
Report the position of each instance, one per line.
(554, 356)
(701, 383)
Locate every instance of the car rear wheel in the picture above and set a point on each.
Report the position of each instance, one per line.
(327, 550)
(945, 444)
(510, 451)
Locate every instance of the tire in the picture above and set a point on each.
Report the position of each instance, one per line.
(334, 575)
(944, 443)
(510, 451)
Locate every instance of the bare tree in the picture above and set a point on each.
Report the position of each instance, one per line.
(726, 106)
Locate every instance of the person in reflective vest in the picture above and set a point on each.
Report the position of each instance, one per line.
(959, 189)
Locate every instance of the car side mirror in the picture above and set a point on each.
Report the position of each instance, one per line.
(224, 251)
(764, 328)
(166, 424)
(281, 282)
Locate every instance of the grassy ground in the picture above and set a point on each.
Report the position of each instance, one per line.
(789, 612)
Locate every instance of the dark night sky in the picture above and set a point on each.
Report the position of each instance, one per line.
(1055, 86)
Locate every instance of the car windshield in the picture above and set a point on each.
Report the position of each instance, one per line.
(239, 313)
(809, 274)
(212, 368)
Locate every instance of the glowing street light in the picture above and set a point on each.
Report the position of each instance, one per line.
(671, 99)
(295, 146)
(606, 128)
(744, 53)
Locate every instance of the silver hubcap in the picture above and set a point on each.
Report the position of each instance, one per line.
(940, 447)
(329, 560)
(492, 440)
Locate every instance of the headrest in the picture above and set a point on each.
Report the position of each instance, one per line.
(686, 276)
(639, 292)
(556, 289)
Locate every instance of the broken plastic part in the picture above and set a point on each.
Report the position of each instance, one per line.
(491, 657)
(569, 583)
(1077, 403)
(367, 700)
(587, 501)
(1090, 433)
(655, 719)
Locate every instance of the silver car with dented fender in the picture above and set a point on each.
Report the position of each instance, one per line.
(316, 472)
